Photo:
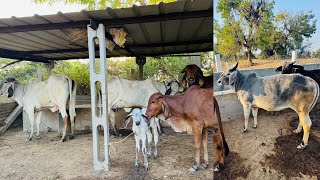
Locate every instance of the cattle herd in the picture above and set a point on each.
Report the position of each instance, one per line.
(187, 107)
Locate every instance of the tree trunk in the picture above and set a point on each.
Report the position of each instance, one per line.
(249, 57)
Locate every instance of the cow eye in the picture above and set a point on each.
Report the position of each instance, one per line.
(152, 102)
(5, 82)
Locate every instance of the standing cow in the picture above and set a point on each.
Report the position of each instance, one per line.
(274, 93)
(192, 112)
(57, 94)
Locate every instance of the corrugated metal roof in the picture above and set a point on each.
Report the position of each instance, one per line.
(172, 28)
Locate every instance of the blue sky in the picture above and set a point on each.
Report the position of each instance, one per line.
(295, 6)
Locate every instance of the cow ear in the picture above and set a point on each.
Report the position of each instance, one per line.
(233, 78)
(298, 67)
(126, 121)
(201, 82)
(166, 109)
(279, 69)
(184, 83)
(234, 67)
(200, 71)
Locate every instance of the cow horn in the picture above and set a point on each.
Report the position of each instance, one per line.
(234, 67)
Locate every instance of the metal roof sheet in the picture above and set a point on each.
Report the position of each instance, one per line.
(172, 28)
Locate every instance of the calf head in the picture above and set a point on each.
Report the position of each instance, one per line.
(7, 86)
(193, 75)
(157, 105)
(137, 115)
(230, 77)
(288, 68)
(172, 86)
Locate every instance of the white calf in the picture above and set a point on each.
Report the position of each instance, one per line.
(142, 133)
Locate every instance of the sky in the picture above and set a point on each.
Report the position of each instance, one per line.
(295, 6)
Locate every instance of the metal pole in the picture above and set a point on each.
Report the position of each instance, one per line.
(98, 162)
(141, 61)
(294, 56)
(218, 62)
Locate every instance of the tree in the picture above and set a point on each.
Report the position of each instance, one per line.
(103, 4)
(247, 23)
(292, 30)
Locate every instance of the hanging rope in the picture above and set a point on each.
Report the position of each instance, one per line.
(112, 148)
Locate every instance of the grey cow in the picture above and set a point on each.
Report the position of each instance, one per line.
(274, 93)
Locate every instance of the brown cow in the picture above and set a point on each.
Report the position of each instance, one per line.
(192, 112)
(193, 75)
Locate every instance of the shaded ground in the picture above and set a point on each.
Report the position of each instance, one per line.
(47, 158)
(269, 152)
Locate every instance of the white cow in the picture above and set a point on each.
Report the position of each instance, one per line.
(56, 93)
(124, 93)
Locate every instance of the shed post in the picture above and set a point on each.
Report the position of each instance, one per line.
(99, 163)
(218, 62)
(294, 56)
(140, 61)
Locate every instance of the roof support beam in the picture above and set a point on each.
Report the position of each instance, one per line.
(109, 22)
(4, 53)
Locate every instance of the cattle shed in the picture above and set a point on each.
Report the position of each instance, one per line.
(155, 30)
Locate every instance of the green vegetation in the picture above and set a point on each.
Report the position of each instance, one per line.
(250, 26)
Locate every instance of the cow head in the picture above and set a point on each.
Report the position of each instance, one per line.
(7, 86)
(288, 68)
(157, 105)
(230, 77)
(192, 75)
(137, 116)
(172, 86)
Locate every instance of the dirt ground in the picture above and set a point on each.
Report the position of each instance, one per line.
(269, 152)
(47, 158)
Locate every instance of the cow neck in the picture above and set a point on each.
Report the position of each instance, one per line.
(19, 92)
(176, 104)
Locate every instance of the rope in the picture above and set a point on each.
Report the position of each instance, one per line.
(113, 149)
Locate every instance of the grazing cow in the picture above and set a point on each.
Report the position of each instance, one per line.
(192, 112)
(291, 68)
(274, 93)
(124, 93)
(193, 75)
(56, 93)
(142, 132)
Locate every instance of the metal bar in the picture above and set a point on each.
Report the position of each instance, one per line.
(4, 53)
(109, 22)
(129, 46)
(102, 120)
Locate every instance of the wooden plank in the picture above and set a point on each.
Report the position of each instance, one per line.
(10, 119)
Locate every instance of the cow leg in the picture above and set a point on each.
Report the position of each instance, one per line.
(65, 126)
(149, 139)
(136, 164)
(197, 136)
(159, 125)
(156, 139)
(306, 124)
(205, 148)
(31, 120)
(218, 148)
(144, 152)
(299, 128)
(255, 117)
(38, 120)
(113, 122)
(246, 110)
(72, 127)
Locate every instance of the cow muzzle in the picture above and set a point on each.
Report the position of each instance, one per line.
(191, 80)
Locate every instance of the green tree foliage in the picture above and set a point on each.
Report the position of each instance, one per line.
(102, 4)
(292, 30)
(247, 23)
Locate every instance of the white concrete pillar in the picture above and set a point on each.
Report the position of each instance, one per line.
(102, 120)
(294, 56)
(218, 62)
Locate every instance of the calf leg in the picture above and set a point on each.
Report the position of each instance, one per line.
(197, 136)
(65, 126)
(246, 111)
(299, 128)
(38, 120)
(31, 120)
(149, 139)
(306, 124)
(156, 139)
(205, 148)
(144, 152)
(72, 127)
(137, 150)
(113, 122)
(255, 117)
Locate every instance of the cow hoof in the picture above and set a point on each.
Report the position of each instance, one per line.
(136, 165)
(38, 137)
(71, 137)
(243, 130)
(203, 166)
(254, 126)
(296, 131)
(301, 146)
(146, 168)
(63, 140)
(218, 167)
(163, 134)
(29, 139)
(193, 168)
(155, 156)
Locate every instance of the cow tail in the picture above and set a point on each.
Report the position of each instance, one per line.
(225, 144)
(317, 95)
